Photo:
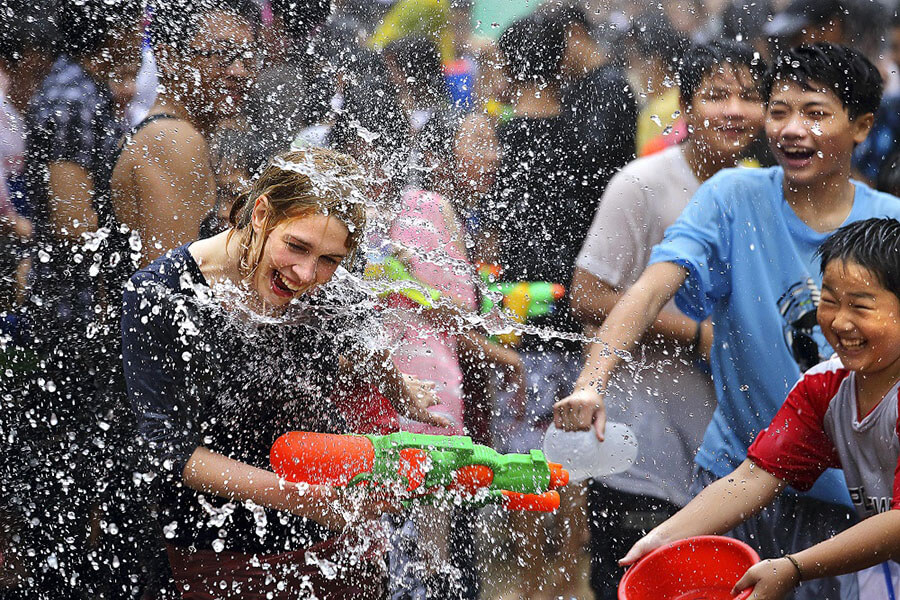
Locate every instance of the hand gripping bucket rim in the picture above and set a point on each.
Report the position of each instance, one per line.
(711, 561)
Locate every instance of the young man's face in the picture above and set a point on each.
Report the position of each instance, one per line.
(811, 133)
(726, 112)
(222, 63)
(860, 319)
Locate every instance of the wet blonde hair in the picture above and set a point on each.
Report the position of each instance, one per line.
(301, 183)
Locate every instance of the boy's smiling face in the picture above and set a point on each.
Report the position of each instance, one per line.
(860, 319)
(811, 133)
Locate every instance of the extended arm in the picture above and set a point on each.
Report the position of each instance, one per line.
(594, 299)
(71, 194)
(627, 323)
(213, 473)
(866, 544)
(717, 509)
(409, 396)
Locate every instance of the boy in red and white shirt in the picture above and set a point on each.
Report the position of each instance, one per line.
(843, 413)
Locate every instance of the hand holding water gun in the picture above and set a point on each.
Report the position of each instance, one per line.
(421, 467)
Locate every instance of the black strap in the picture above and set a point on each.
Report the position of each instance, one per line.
(126, 139)
(150, 119)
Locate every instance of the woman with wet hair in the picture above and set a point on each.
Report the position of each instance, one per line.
(229, 342)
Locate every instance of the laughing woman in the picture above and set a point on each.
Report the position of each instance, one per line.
(228, 344)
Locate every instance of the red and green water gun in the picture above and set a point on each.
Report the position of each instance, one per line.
(422, 467)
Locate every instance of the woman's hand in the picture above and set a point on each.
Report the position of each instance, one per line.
(417, 397)
(705, 339)
(338, 508)
(514, 376)
(770, 579)
(512, 368)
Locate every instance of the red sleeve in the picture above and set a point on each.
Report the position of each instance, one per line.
(794, 447)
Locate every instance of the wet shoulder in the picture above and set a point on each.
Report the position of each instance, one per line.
(169, 140)
(170, 271)
(657, 166)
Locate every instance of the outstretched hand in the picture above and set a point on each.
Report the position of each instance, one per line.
(417, 397)
(642, 547)
(579, 410)
(770, 579)
(339, 508)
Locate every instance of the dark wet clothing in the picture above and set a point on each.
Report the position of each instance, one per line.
(540, 212)
(63, 452)
(199, 375)
(71, 119)
(208, 575)
(603, 113)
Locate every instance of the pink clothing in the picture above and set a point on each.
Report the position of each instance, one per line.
(428, 230)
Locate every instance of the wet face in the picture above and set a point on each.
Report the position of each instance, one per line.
(300, 254)
(811, 133)
(860, 319)
(726, 113)
(222, 62)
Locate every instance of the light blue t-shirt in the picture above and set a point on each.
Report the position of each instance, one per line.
(752, 267)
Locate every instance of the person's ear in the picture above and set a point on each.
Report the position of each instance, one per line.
(862, 125)
(259, 214)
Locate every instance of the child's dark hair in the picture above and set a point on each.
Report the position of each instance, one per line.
(27, 26)
(702, 59)
(873, 244)
(533, 49)
(844, 71)
(176, 22)
(301, 18)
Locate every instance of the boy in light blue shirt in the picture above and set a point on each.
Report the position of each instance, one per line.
(742, 253)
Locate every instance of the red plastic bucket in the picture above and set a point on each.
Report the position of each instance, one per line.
(699, 568)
